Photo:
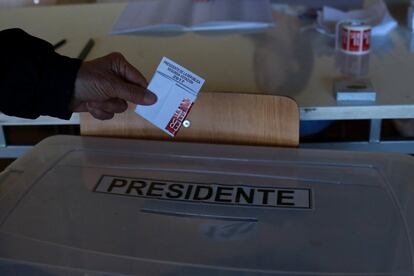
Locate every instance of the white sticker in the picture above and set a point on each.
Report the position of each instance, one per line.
(177, 89)
(211, 193)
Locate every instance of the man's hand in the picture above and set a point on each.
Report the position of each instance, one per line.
(104, 85)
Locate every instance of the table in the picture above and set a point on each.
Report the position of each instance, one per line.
(291, 59)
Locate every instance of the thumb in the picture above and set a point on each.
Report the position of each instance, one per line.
(134, 93)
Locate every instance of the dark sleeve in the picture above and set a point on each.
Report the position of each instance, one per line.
(34, 80)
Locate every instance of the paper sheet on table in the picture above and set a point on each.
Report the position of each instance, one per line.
(376, 15)
(191, 15)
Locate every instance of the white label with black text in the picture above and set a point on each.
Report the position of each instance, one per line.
(176, 89)
(213, 193)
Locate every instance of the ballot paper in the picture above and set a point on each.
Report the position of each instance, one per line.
(193, 15)
(176, 89)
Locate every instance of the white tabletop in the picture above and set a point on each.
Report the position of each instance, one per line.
(286, 60)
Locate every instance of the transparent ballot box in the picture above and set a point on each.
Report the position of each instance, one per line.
(86, 206)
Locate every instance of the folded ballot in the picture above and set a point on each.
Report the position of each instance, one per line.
(177, 89)
(191, 15)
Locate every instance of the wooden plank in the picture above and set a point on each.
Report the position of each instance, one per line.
(221, 118)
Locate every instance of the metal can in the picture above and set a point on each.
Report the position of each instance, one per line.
(353, 37)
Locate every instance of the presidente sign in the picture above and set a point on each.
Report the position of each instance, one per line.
(212, 193)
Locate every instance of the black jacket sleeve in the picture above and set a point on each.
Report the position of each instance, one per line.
(34, 80)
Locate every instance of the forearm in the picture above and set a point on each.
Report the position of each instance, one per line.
(34, 80)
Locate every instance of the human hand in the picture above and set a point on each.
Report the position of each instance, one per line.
(104, 85)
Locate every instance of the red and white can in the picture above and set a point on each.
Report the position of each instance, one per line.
(353, 37)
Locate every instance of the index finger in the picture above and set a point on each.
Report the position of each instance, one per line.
(128, 72)
(133, 75)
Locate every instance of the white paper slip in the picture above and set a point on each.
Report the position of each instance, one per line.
(177, 89)
(190, 15)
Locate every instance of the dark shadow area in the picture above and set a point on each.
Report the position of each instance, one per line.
(352, 131)
(31, 135)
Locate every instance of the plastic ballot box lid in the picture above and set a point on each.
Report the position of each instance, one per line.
(80, 206)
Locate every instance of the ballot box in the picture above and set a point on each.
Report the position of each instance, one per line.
(98, 206)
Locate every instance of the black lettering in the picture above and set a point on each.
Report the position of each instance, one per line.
(117, 183)
(137, 185)
(201, 192)
(175, 188)
(247, 198)
(155, 186)
(265, 195)
(220, 192)
(283, 194)
(198, 190)
(188, 193)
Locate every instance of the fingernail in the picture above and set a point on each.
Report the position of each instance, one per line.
(150, 98)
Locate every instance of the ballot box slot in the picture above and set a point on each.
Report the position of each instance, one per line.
(323, 173)
(131, 156)
(138, 171)
(188, 214)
